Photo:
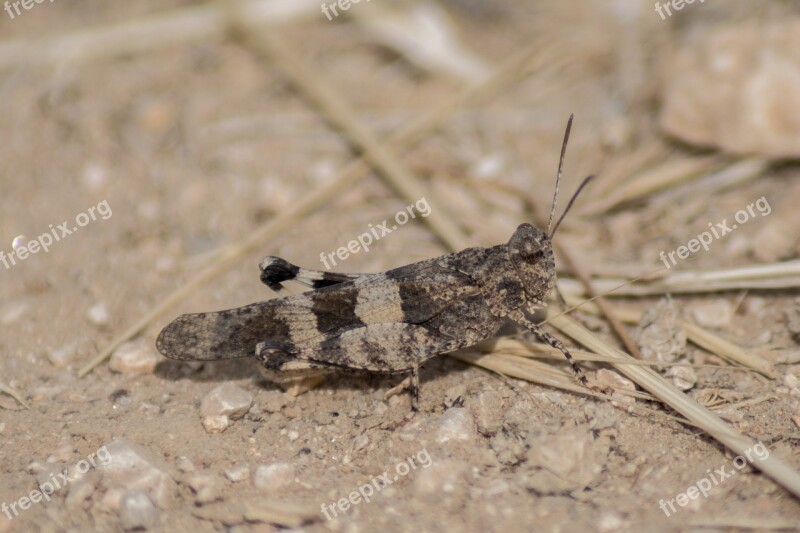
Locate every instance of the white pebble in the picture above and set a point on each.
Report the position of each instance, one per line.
(227, 399)
(12, 311)
(62, 355)
(360, 442)
(683, 377)
(238, 473)
(94, 175)
(206, 486)
(455, 424)
(609, 522)
(216, 424)
(98, 315)
(713, 313)
(136, 511)
(274, 477)
(134, 358)
(184, 464)
(131, 467)
(790, 380)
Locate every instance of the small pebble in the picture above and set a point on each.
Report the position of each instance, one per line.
(618, 384)
(238, 473)
(713, 313)
(136, 511)
(609, 522)
(129, 466)
(487, 411)
(360, 442)
(380, 409)
(773, 242)
(134, 358)
(94, 175)
(683, 377)
(273, 477)
(790, 380)
(207, 488)
(227, 399)
(98, 315)
(563, 461)
(12, 311)
(216, 424)
(497, 487)
(61, 356)
(455, 425)
(63, 453)
(184, 464)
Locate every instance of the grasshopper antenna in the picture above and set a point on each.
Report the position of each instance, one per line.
(583, 184)
(560, 169)
(558, 182)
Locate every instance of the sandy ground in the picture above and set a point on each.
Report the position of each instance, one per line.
(165, 157)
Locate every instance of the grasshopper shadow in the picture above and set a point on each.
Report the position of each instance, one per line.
(247, 368)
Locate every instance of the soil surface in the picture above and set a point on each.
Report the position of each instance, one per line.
(150, 162)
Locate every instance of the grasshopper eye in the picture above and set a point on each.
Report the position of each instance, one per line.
(526, 250)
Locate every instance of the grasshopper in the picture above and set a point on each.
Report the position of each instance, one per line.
(383, 323)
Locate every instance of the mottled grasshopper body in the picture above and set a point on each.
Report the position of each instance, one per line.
(384, 323)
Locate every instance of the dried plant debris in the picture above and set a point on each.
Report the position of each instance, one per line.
(752, 68)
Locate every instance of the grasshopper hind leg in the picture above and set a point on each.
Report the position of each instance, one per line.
(280, 365)
(409, 382)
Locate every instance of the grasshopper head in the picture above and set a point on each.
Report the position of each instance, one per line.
(532, 256)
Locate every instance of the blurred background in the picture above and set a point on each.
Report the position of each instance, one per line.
(180, 142)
